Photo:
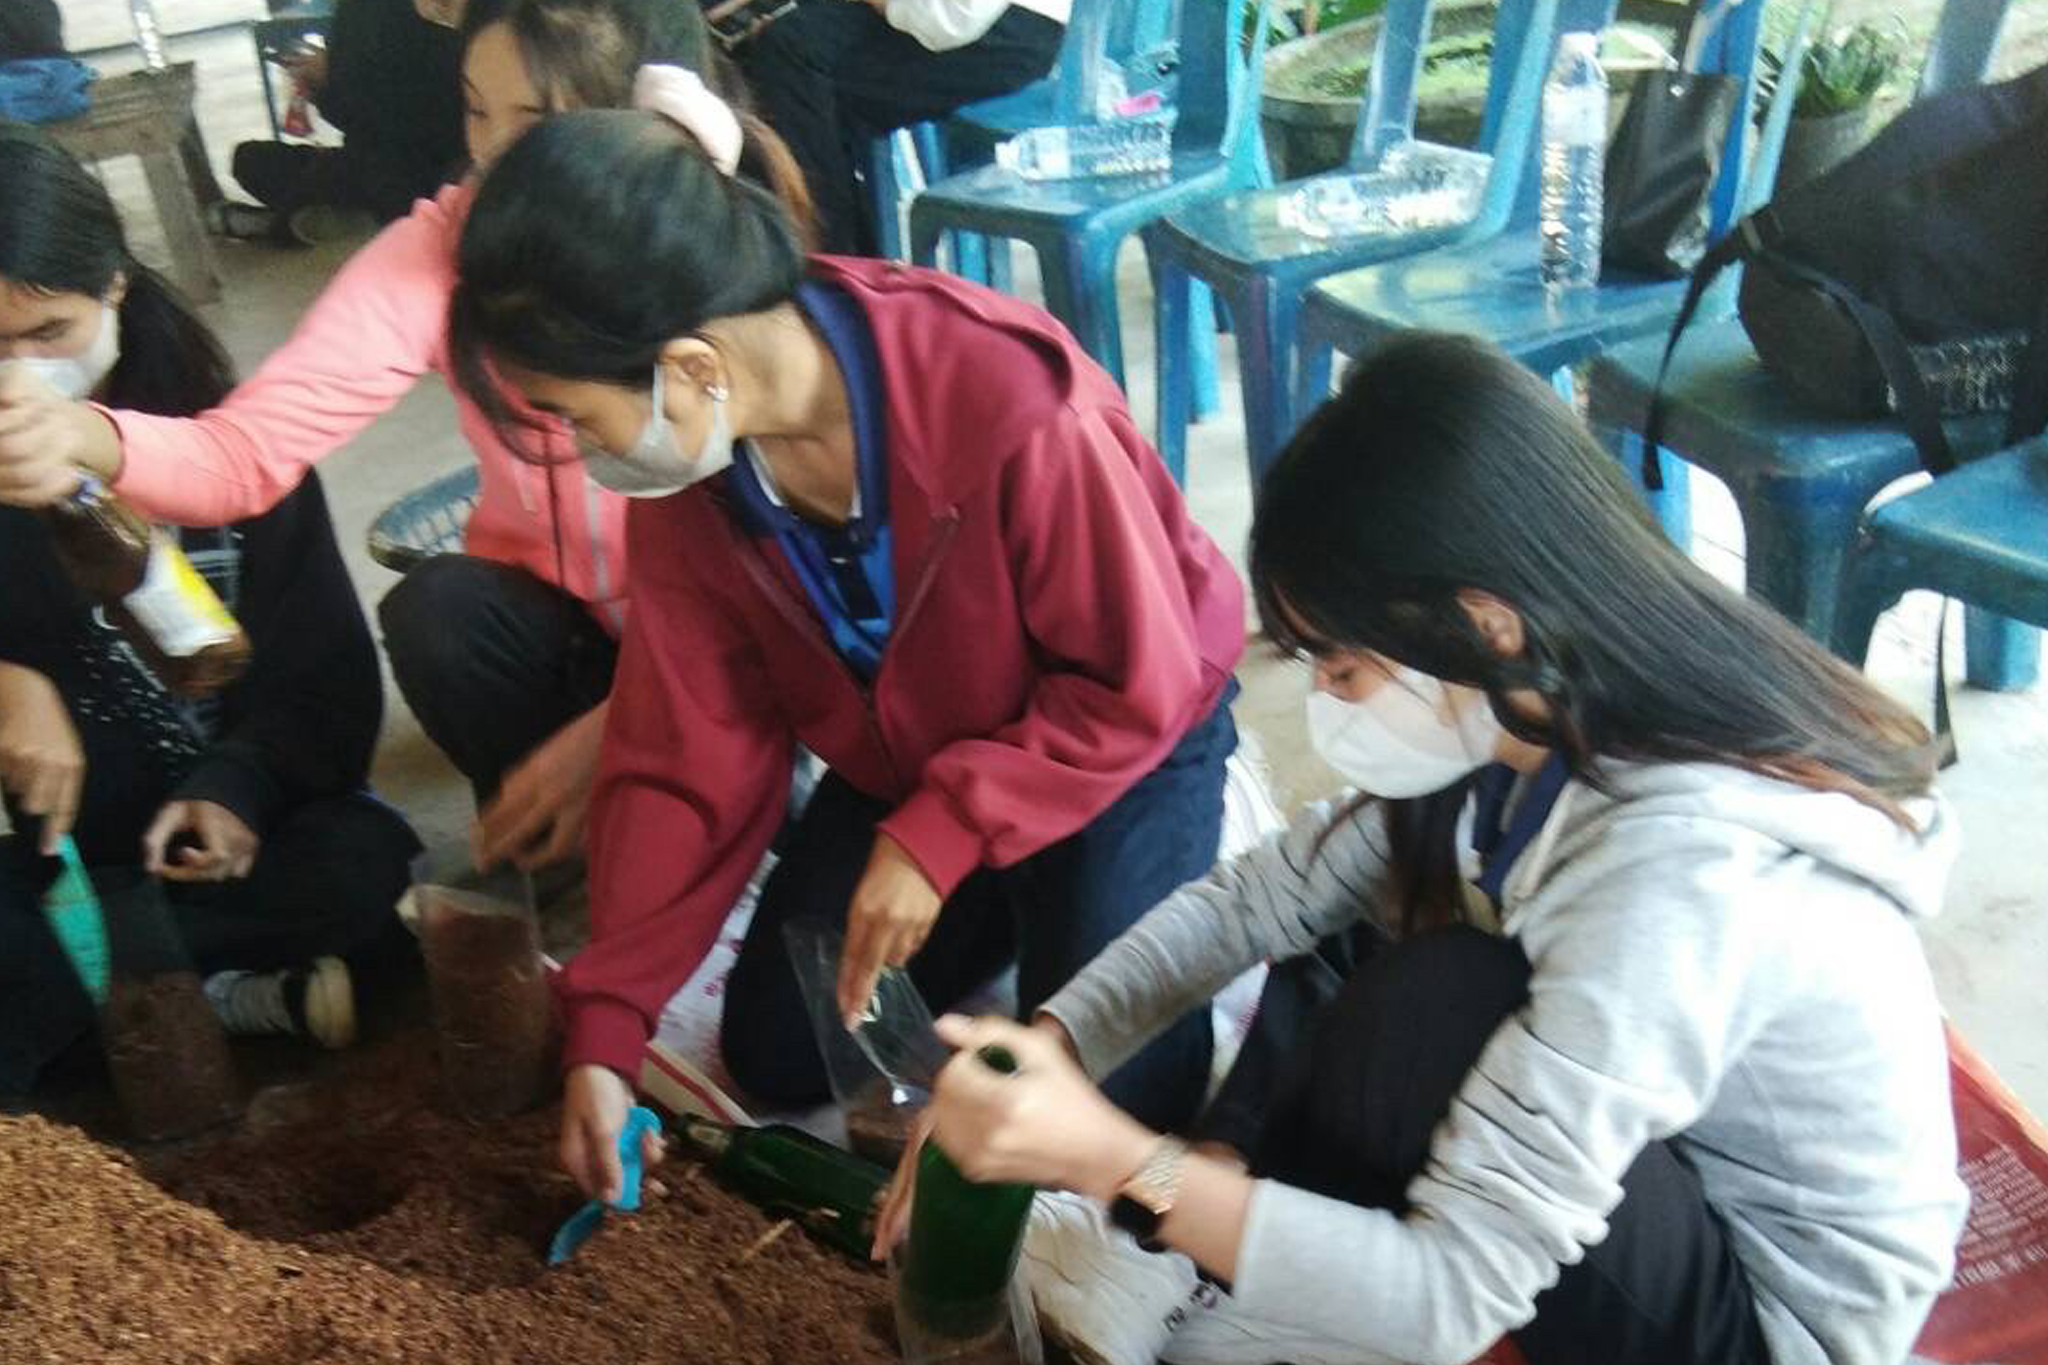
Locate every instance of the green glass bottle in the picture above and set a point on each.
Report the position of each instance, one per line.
(830, 1192)
(964, 1240)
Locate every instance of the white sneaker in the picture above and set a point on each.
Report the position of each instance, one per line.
(317, 1001)
(1098, 1293)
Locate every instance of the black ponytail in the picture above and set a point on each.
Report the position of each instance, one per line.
(60, 234)
(598, 238)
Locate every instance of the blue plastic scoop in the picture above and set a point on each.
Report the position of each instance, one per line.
(640, 1121)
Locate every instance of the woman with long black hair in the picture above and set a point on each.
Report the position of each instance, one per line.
(1642, 1062)
(250, 806)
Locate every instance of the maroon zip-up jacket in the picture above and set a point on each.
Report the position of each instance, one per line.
(1061, 622)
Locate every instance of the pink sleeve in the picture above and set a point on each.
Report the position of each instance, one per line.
(373, 331)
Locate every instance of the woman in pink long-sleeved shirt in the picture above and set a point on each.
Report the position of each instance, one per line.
(506, 652)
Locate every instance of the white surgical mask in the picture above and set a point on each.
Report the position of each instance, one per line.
(1405, 739)
(653, 468)
(79, 376)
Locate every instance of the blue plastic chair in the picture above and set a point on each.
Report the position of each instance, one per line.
(1076, 226)
(1494, 289)
(1800, 479)
(1259, 266)
(1979, 534)
(1118, 30)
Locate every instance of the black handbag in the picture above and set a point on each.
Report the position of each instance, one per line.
(1660, 168)
(1660, 165)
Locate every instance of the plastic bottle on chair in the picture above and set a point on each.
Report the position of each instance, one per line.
(1574, 150)
(1129, 146)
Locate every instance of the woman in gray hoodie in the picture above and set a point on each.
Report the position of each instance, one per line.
(1640, 1060)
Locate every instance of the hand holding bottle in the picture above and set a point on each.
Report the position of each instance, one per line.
(1044, 1124)
(46, 439)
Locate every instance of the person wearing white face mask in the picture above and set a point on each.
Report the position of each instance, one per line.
(886, 514)
(246, 812)
(1604, 1027)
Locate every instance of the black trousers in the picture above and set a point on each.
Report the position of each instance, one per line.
(288, 176)
(1366, 1071)
(834, 74)
(1051, 913)
(492, 660)
(325, 880)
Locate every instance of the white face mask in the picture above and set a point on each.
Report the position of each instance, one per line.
(1405, 739)
(653, 468)
(78, 376)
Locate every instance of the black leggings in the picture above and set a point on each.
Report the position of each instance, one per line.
(1357, 1073)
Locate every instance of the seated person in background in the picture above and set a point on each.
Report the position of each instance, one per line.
(30, 28)
(250, 805)
(837, 72)
(391, 82)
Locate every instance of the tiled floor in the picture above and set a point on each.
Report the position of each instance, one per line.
(1986, 952)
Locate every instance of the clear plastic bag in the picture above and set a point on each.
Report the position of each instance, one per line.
(881, 1071)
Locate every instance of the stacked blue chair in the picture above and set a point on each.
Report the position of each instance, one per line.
(1802, 480)
(1494, 289)
(1259, 266)
(1979, 534)
(1076, 226)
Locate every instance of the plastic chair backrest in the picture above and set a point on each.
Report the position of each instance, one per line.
(1101, 32)
(1964, 38)
(1218, 95)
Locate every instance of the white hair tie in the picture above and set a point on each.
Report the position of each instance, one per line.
(681, 97)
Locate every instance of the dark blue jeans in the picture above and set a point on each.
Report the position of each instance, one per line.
(1050, 914)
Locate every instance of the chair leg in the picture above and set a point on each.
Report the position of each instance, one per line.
(970, 256)
(1314, 360)
(2002, 655)
(1265, 319)
(925, 230)
(1208, 389)
(1001, 272)
(1871, 584)
(1080, 290)
(1171, 291)
(1794, 552)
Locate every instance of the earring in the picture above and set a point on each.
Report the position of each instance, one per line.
(718, 393)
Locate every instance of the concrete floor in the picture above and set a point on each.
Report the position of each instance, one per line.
(1986, 951)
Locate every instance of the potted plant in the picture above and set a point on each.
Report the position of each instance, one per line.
(1839, 81)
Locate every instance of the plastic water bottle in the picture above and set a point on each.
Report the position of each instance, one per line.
(149, 35)
(1574, 148)
(1128, 146)
(1416, 185)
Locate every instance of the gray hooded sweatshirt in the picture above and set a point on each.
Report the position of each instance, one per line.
(1718, 958)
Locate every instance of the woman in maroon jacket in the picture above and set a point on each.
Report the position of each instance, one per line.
(896, 518)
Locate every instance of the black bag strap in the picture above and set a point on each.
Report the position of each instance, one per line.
(1738, 244)
(1945, 751)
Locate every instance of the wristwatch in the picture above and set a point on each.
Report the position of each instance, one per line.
(1142, 1202)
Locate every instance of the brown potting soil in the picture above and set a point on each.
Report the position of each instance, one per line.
(167, 1056)
(349, 1220)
